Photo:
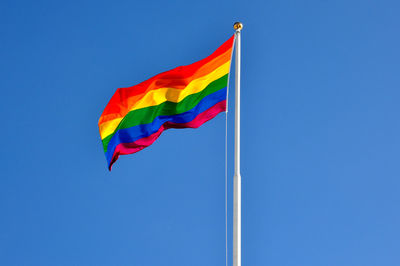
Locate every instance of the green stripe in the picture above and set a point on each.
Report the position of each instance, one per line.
(148, 114)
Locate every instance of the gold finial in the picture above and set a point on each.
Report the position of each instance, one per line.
(238, 26)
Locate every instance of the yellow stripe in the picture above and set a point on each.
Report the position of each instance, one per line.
(156, 97)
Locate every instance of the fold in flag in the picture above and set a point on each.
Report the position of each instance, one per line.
(184, 97)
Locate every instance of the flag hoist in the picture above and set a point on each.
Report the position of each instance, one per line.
(184, 97)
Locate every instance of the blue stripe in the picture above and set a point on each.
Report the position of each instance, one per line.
(128, 135)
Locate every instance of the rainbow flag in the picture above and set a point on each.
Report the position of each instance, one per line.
(184, 97)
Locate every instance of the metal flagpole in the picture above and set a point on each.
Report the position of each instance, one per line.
(237, 179)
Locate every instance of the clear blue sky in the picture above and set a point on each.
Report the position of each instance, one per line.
(320, 135)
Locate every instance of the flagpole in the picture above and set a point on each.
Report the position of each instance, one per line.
(237, 179)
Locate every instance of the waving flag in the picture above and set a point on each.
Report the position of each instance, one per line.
(184, 97)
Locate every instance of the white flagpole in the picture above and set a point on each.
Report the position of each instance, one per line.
(237, 179)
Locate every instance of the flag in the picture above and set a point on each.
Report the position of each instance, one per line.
(184, 97)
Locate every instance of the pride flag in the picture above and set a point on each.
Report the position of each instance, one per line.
(184, 97)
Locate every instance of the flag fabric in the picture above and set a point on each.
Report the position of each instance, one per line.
(184, 97)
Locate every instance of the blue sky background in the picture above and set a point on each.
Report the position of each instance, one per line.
(320, 135)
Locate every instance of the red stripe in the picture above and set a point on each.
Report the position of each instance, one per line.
(177, 77)
(133, 147)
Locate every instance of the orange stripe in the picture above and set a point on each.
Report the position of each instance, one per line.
(126, 104)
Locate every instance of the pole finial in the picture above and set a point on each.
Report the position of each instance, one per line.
(238, 26)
